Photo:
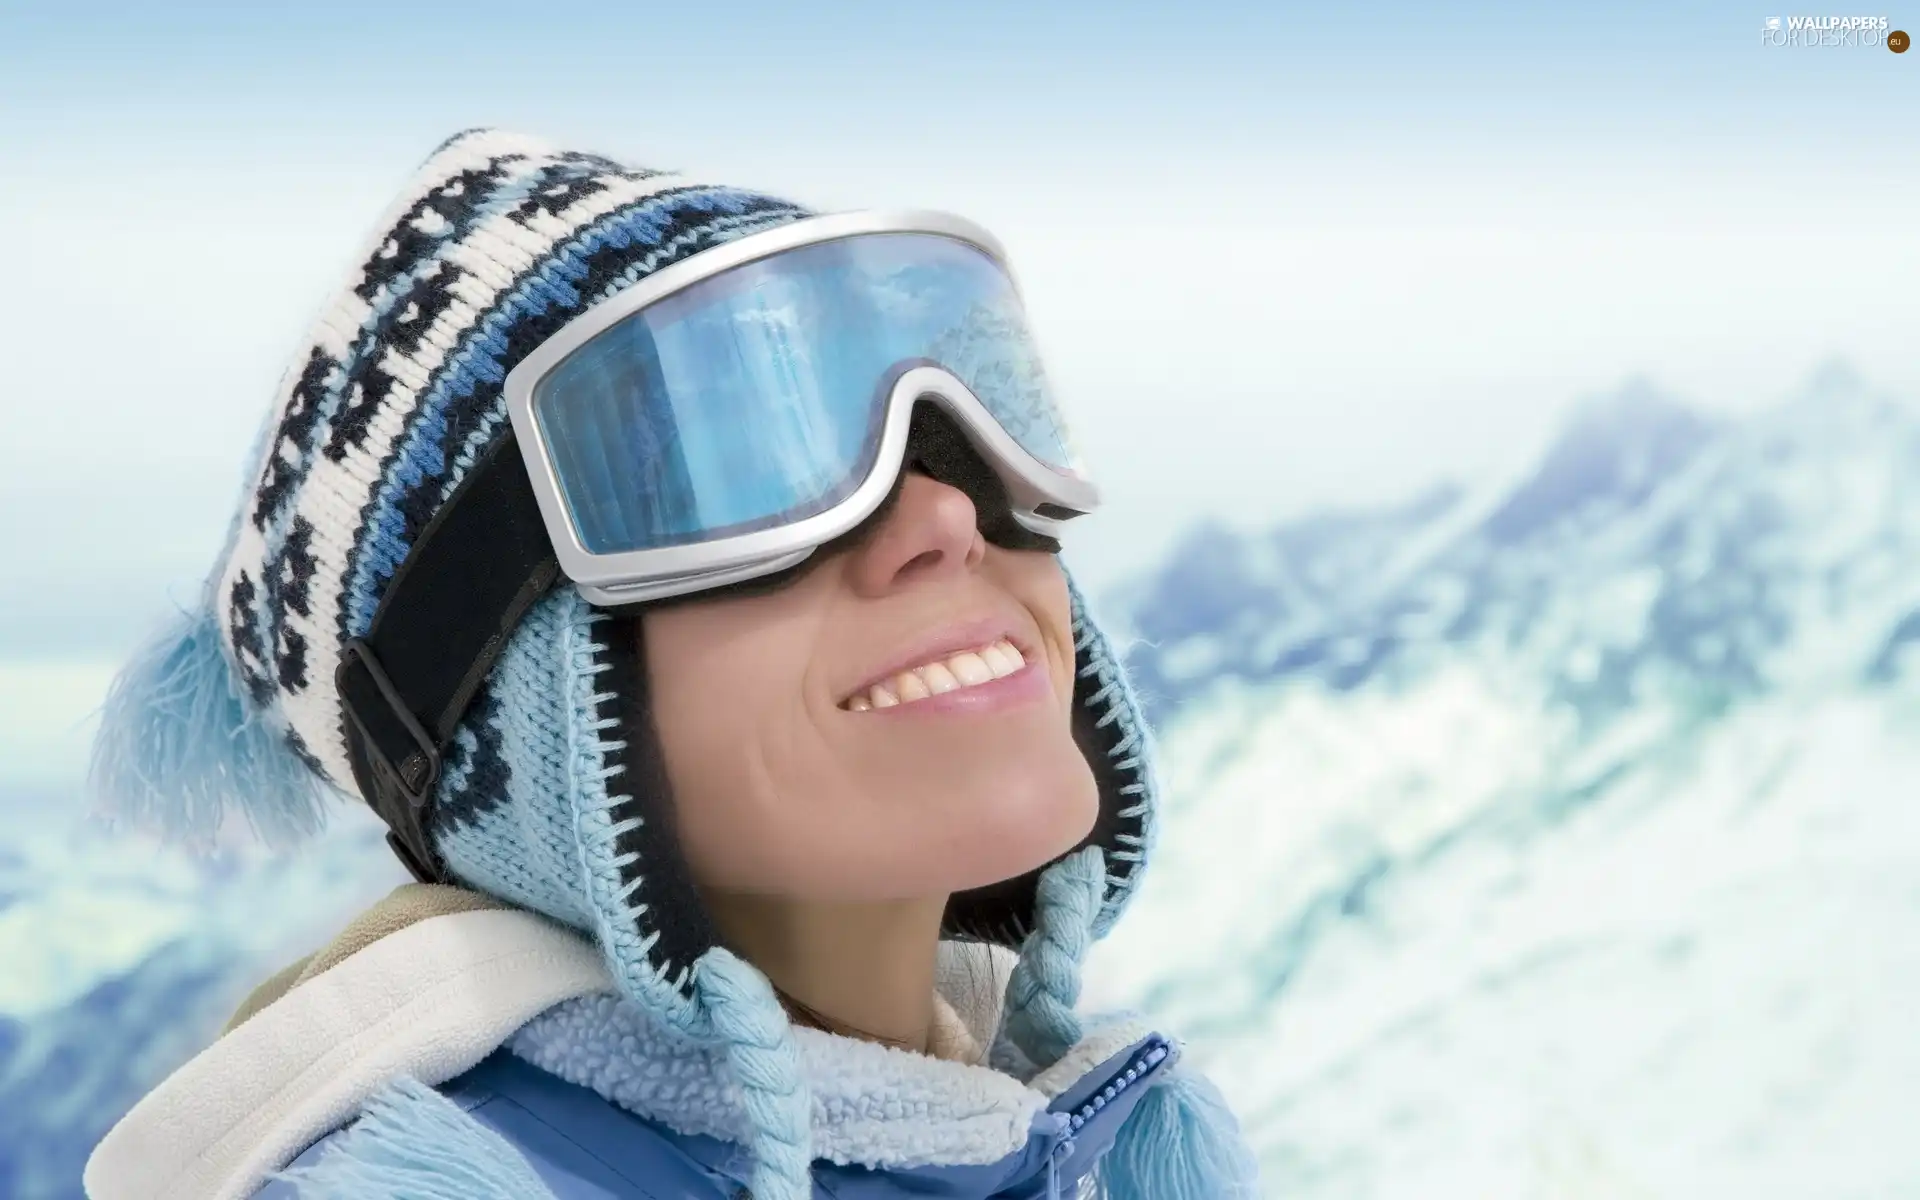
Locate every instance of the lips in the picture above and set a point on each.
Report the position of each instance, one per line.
(955, 672)
(949, 661)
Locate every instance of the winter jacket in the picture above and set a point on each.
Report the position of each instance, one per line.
(513, 1020)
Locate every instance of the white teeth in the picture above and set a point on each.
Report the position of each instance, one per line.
(966, 669)
(1003, 658)
(911, 686)
(939, 680)
(970, 669)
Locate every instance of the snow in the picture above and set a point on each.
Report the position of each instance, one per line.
(1476, 925)
(121, 958)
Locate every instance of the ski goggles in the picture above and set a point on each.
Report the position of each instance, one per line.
(731, 413)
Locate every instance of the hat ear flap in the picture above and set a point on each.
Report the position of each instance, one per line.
(180, 744)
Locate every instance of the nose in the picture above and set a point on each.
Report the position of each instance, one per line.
(931, 531)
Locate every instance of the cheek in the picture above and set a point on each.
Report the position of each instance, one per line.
(1052, 605)
(720, 698)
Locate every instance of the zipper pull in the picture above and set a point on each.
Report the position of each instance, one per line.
(1060, 1152)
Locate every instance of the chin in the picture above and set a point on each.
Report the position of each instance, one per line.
(975, 822)
(1015, 826)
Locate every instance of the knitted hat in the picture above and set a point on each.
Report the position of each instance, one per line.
(544, 801)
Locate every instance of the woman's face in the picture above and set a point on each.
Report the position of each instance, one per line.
(894, 723)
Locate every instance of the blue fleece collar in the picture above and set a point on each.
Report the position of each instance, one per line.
(874, 1108)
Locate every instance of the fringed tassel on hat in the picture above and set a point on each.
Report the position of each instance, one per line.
(178, 745)
(1181, 1142)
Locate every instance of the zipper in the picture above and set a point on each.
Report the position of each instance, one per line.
(1144, 1060)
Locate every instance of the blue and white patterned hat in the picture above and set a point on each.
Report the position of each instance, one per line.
(496, 243)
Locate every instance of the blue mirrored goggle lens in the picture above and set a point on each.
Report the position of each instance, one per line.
(754, 398)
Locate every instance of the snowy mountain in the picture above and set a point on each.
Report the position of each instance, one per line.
(1562, 845)
(1553, 840)
(122, 959)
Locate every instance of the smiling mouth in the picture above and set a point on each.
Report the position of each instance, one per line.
(951, 673)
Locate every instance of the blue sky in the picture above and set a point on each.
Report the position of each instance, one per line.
(1280, 257)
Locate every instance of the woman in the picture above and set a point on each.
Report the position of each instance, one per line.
(673, 571)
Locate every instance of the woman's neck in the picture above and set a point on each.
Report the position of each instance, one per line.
(866, 968)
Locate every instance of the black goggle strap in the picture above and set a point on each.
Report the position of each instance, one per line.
(475, 570)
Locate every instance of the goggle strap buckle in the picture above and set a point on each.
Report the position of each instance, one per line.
(405, 761)
(447, 614)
